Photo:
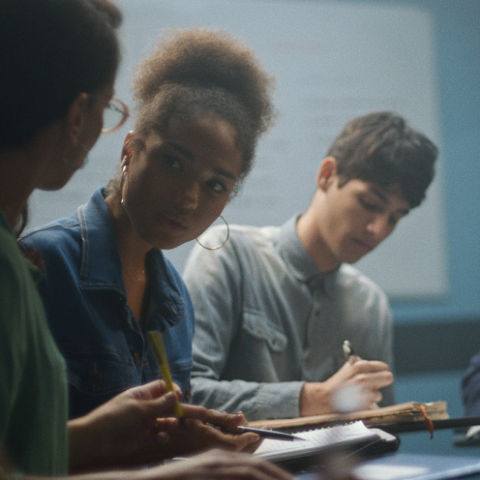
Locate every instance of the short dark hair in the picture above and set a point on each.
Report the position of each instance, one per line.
(50, 51)
(380, 147)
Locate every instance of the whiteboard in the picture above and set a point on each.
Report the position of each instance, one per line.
(332, 61)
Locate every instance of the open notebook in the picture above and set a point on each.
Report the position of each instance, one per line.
(314, 444)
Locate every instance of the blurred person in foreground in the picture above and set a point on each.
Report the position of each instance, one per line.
(59, 59)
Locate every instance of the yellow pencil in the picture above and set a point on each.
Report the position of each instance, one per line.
(156, 342)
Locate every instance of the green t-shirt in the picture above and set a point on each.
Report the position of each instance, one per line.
(33, 382)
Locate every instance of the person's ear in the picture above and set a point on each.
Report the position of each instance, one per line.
(76, 117)
(327, 173)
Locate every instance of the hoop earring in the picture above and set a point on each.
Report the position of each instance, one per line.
(67, 165)
(226, 240)
(85, 161)
(71, 167)
(124, 172)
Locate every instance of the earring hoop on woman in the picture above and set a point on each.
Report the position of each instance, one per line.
(75, 167)
(67, 165)
(226, 240)
(122, 181)
(87, 151)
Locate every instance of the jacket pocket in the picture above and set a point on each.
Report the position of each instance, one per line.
(255, 324)
(97, 373)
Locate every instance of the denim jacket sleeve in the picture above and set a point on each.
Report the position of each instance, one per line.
(233, 340)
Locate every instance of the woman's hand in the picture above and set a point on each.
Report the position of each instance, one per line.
(199, 435)
(124, 431)
(138, 427)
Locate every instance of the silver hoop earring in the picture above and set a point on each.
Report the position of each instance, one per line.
(67, 165)
(72, 168)
(86, 156)
(226, 240)
(75, 167)
(124, 172)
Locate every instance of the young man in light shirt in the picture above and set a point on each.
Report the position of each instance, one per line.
(275, 304)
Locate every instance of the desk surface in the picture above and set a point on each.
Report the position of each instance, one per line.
(401, 466)
(441, 444)
(417, 449)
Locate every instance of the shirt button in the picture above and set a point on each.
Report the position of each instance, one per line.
(137, 358)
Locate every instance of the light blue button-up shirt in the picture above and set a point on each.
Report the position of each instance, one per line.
(104, 346)
(267, 321)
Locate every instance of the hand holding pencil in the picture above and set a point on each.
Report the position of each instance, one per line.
(156, 342)
(366, 376)
(137, 427)
(228, 424)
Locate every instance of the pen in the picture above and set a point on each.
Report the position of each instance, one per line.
(350, 355)
(259, 431)
(156, 342)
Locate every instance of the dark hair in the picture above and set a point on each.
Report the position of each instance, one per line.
(380, 147)
(50, 51)
(197, 71)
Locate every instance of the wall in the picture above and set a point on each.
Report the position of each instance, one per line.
(458, 46)
(436, 338)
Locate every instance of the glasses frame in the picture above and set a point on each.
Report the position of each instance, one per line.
(123, 109)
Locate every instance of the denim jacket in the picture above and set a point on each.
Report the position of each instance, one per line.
(104, 346)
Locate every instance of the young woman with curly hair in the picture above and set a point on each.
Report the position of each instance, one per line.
(202, 102)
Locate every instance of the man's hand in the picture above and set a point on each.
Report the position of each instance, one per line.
(364, 376)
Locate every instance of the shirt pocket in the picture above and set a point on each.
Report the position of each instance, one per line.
(256, 325)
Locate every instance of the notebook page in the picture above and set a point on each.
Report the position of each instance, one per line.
(316, 438)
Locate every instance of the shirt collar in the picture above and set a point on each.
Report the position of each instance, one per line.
(293, 252)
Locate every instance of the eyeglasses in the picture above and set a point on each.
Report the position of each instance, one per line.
(114, 115)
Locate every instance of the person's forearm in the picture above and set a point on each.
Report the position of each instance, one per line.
(85, 446)
(118, 475)
(258, 401)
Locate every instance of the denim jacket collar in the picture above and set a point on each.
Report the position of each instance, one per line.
(100, 260)
(101, 265)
